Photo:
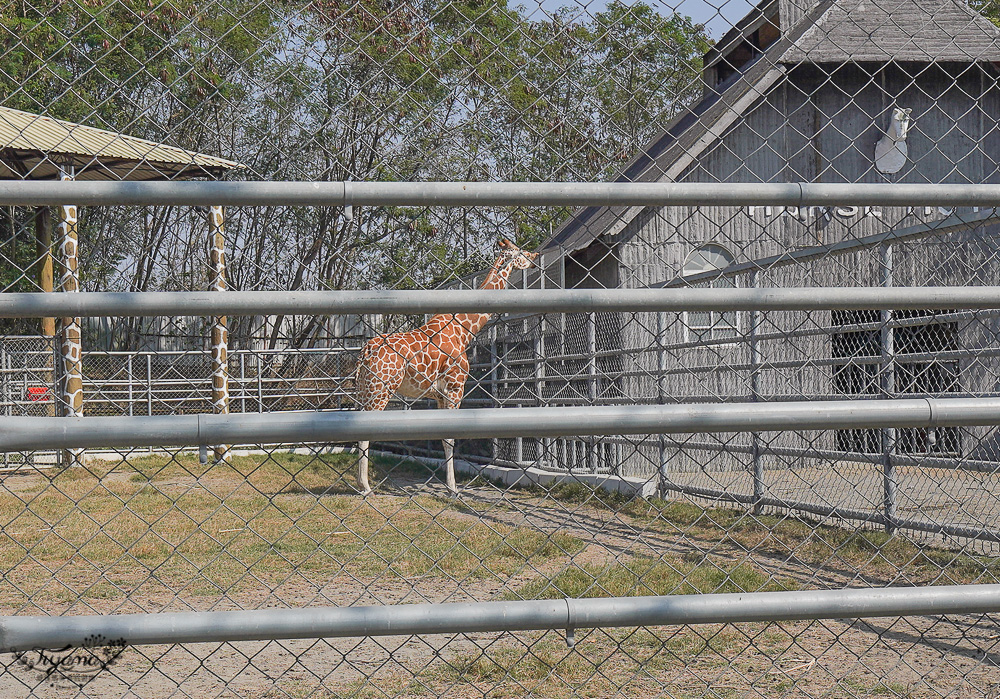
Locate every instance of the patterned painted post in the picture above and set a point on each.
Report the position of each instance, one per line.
(220, 331)
(70, 347)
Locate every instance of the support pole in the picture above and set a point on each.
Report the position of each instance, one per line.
(661, 391)
(593, 458)
(220, 331)
(70, 345)
(755, 362)
(46, 277)
(887, 383)
(46, 283)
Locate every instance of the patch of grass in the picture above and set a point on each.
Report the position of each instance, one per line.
(612, 662)
(879, 555)
(871, 686)
(253, 524)
(635, 577)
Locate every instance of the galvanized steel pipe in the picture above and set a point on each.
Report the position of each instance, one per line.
(27, 433)
(22, 633)
(88, 193)
(198, 303)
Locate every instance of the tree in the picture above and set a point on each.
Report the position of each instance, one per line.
(376, 90)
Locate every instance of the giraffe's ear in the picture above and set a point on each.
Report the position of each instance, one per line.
(505, 244)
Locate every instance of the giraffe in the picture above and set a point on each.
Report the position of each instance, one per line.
(430, 361)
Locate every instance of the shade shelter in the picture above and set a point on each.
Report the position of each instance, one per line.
(37, 147)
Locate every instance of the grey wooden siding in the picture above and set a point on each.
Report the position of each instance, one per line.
(817, 125)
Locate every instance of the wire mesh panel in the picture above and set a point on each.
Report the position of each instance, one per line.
(830, 92)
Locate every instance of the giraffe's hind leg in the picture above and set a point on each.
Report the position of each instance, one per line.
(379, 400)
(363, 484)
(375, 388)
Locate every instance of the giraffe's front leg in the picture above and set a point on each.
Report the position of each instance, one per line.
(449, 466)
(446, 402)
(452, 400)
(363, 484)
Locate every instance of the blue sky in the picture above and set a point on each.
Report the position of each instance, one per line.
(718, 16)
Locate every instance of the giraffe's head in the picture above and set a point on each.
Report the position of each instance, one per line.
(515, 256)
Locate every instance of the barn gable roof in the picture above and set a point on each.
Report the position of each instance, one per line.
(898, 30)
(830, 31)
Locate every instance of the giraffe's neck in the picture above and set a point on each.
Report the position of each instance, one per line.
(472, 323)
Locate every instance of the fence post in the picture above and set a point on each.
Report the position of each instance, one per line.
(5, 386)
(243, 381)
(542, 445)
(71, 351)
(887, 384)
(260, 383)
(592, 456)
(149, 384)
(757, 464)
(128, 370)
(494, 388)
(661, 395)
(220, 331)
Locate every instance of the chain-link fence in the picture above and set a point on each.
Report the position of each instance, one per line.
(872, 92)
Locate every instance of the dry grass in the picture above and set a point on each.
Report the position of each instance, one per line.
(879, 556)
(174, 526)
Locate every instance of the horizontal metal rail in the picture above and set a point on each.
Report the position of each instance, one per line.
(26, 433)
(199, 303)
(84, 193)
(25, 633)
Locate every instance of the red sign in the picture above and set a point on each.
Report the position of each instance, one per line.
(38, 393)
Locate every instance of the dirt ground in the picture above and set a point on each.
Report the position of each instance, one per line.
(956, 656)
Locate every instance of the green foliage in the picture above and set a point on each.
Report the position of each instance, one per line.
(989, 8)
(370, 90)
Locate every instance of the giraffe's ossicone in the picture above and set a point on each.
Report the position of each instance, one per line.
(429, 362)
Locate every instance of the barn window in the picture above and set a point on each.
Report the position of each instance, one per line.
(916, 370)
(710, 325)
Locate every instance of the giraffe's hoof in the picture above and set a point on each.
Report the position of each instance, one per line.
(366, 492)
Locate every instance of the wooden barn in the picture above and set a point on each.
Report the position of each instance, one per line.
(837, 91)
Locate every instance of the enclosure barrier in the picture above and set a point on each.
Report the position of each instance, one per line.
(26, 433)
(22, 633)
(111, 304)
(95, 193)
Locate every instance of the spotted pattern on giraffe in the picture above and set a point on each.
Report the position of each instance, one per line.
(220, 330)
(70, 346)
(69, 282)
(430, 361)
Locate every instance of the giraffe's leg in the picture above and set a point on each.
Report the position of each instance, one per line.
(456, 376)
(379, 399)
(375, 388)
(363, 468)
(449, 465)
